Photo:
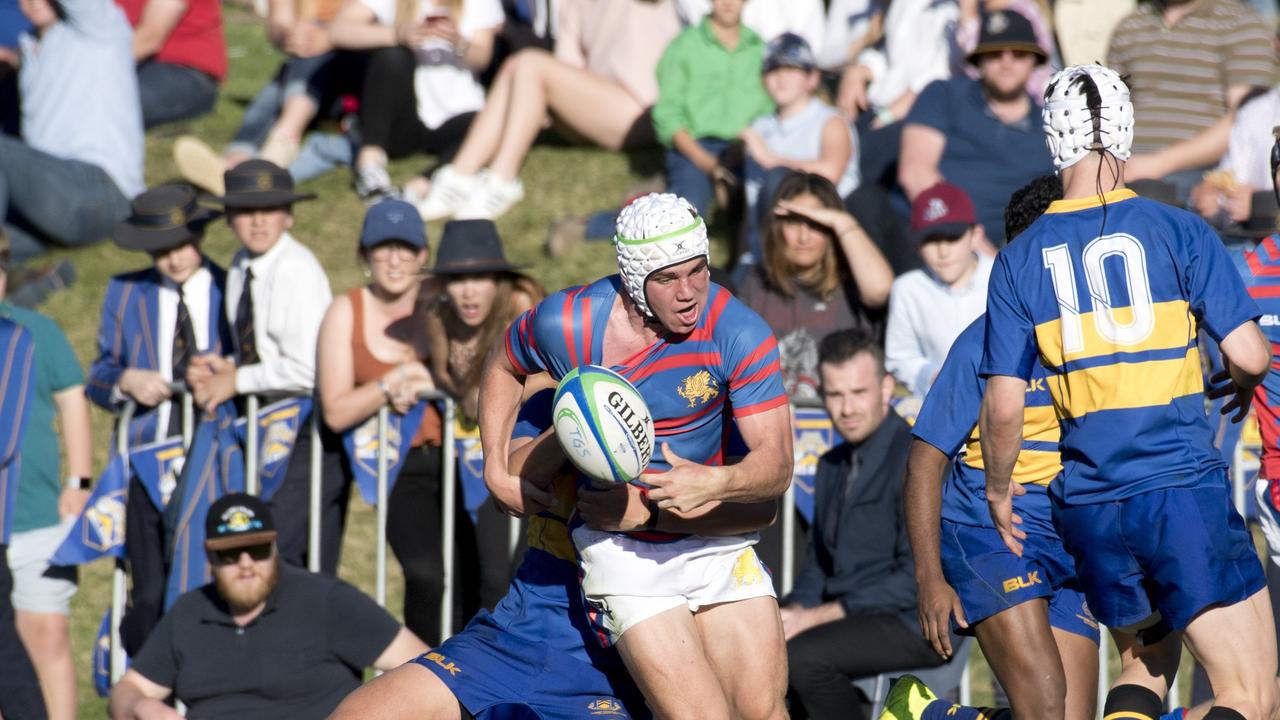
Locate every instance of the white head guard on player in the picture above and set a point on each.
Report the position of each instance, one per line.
(1073, 129)
(655, 232)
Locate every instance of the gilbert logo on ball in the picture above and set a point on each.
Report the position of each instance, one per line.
(603, 425)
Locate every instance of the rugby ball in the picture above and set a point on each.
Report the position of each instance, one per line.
(603, 425)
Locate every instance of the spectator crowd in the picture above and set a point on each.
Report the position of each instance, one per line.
(857, 157)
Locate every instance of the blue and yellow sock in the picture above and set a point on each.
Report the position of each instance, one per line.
(943, 710)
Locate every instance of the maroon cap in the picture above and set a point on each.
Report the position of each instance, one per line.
(943, 209)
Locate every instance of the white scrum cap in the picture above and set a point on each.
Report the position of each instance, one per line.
(654, 232)
(1068, 121)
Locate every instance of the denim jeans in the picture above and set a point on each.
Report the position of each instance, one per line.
(46, 200)
(296, 76)
(174, 92)
(687, 181)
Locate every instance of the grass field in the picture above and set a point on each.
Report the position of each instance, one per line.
(559, 180)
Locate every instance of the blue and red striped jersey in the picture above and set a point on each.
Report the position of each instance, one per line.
(694, 385)
(1260, 269)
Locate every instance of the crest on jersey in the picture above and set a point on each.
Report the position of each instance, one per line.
(698, 388)
(936, 208)
(605, 707)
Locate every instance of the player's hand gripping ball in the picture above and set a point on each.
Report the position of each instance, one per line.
(603, 425)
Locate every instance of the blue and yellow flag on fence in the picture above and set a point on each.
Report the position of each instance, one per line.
(99, 531)
(214, 467)
(279, 425)
(361, 445)
(814, 436)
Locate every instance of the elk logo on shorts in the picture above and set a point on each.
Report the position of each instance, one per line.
(746, 569)
(606, 707)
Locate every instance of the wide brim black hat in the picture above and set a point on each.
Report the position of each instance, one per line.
(163, 218)
(259, 184)
(471, 246)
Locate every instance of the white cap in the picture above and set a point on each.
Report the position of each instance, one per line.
(655, 232)
(1068, 120)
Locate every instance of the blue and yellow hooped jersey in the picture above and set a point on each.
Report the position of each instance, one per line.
(949, 422)
(1112, 312)
(694, 385)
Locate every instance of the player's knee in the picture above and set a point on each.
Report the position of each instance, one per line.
(1045, 699)
(759, 704)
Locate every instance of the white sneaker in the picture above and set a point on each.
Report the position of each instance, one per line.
(449, 191)
(494, 197)
(373, 184)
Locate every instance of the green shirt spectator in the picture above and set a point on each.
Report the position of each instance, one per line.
(708, 89)
(57, 369)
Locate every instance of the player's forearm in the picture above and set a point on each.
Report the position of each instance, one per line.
(500, 391)
(922, 500)
(536, 459)
(1246, 355)
(1001, 437)
(764, 474)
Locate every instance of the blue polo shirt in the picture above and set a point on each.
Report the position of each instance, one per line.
(988, 158)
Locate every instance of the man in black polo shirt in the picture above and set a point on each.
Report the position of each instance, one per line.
(263, 640)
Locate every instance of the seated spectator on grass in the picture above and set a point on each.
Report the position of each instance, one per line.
(930, 307)
(803, 134)
(915, 49)
(263, 639)
(770, 19)
(709, 91)
(969, 32)
(421, 90)
(308, 84)
(599, 85)
(983, 135)
(277, 293)
(852, 612)
(820, 273)
(372, 354)
(1188, 64)
(180, 54)
(154, 321)
(68, 181)
(478, 295)
(851, 27)
(1227, 196)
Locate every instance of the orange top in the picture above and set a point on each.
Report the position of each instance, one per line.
(369, 368)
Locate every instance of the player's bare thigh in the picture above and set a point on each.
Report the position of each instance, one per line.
(1236, 645)
(1079, 657)
(1016, 639)
(410, 692)
(666, 658)
(745, 646)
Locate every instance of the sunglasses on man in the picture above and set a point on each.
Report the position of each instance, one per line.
(231, 556)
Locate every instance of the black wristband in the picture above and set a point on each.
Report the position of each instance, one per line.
(652, 522)
(80, 483)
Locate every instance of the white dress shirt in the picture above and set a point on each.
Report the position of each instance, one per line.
(1248, 155)
(925, 318)
(290, 296)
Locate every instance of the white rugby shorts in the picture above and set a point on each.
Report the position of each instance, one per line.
(631, 580)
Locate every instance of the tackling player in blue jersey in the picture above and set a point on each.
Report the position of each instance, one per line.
(1106, 291)
(1027, 611)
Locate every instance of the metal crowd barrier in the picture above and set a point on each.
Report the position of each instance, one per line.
(119, 578)
(448, 506)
